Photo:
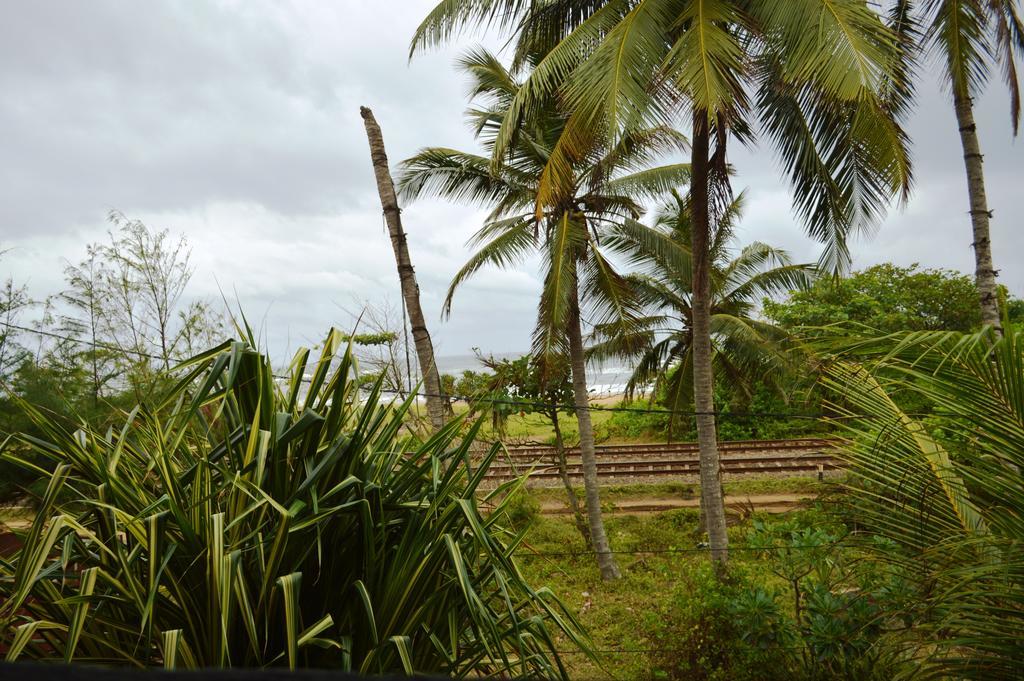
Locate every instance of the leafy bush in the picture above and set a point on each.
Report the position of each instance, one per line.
(636, 425)
(257, 523)
(835, 617)
(884, 297)
(761, 415)
(696, 635)
(520, 508)
(810, 611)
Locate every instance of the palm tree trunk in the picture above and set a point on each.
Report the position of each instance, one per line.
(712, 501)
(577, 359)
(570, 493)
(436, 403)
(984, 274)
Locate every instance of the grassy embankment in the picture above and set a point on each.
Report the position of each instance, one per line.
(661, 562)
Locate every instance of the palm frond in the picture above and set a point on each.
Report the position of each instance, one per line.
(650, 183)
(612, 86)
(560, 292)
(957, 30)
(861, 48)
(945, 492)
(514, 240)
(707, 62)
(450, 17)
(845, 161)
(458, 176)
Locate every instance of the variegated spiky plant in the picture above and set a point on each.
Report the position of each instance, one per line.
(250, 522)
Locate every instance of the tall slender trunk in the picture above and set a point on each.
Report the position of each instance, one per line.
(577, 359)
(437, 405)
(570, 493)
(712, 501)
(984, 273)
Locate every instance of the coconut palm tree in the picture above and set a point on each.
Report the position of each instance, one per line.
(602, 185)
(945, 492)
(972, 36)
(823, 80)
(438, 408)
(745, 349)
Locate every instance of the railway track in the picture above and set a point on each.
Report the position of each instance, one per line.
(531, 453)
(637, 462)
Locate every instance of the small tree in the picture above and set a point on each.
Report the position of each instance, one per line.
(88, 297)
(382, 347)
(528, 385)
(145, 273)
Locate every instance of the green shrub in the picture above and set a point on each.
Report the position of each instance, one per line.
(264, 523)
(838, 615)
(635, 425)
(520, 507)
(810, 611)
(696, 636)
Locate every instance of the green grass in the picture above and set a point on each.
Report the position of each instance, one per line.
(618, 614)
(535, 428)
(687, 490)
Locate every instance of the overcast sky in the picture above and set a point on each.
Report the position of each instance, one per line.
(237, 125)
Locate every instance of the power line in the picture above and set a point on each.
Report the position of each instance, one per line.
(95, 344)
(673, 550)
(475, 399)
(635, 410)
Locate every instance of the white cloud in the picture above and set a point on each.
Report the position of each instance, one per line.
(236, 123)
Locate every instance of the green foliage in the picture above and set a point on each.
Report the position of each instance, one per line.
(747, 351)
(697, 635)
(971, 37)
(14, 301)
(824, 83)
(124, 320)
(244, 522)
(945, 494)
(758, 414)
(379, 338)
(638, 425)
(521, 508)
(822, 616)
(469, 383)
(541, 203)
(511, 388)
(886, 298)
(839, 619)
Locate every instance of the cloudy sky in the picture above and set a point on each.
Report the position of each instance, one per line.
(236, 124)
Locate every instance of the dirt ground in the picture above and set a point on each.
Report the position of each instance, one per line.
(770, 503)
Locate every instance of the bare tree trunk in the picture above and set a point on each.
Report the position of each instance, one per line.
(588, 455)
(712, 501)
(436, 403)
(570, 493)
(984, 274)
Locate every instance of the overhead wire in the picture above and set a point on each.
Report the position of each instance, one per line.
(533, 404)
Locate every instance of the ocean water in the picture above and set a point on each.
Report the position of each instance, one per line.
(605, 379)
